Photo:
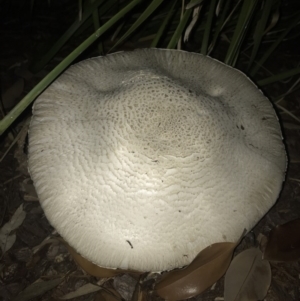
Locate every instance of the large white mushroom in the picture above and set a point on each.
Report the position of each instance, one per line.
(142, 159)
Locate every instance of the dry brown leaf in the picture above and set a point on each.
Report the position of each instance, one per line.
(196, 14)
(139, 294)
(37, 289)
(209, 266)
(284, 242)
(248, 277)
(108, 294)
(83, 290)
(7, 238)
(48, 240)
(27, 187)
(125, 285)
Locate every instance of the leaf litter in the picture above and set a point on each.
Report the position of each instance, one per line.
(248, 277)
(288, 198)
(208, 267)
(284, 242)
(83, 290)
(37, 289)
(7, 238)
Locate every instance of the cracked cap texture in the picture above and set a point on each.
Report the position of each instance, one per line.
(142, 159)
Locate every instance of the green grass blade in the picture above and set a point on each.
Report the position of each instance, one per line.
(80, 8)
(39, 88)
(278, 77)
(267, 54)
(96, 18)
(164, 25)
(240, 31)
(220, 24)
(96, 22)
(287, 112)
(274, 18)
(143, 17)
(193, 3)
(294, 87)
(179, 29)
(208, 25)
(40, 63)
(259, 29)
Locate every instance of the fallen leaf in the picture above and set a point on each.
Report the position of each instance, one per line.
(7, 241)
(284, 242)
(45, 242)
(83, 290)
(37, 289)
(108, 294)
(196, 14)
(248, 277)
(6, 238)
(27, 187)
(125, 285)
(139, 294)
(209, 266)
(16, 221)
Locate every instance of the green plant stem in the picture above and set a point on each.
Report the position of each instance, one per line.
(142, 18)
(260, 29)
(274, 46)
(278, 77)
(241, 29)
(208, 27)
(40, 87)
(41, 62)
(163, 26)
(181, 25)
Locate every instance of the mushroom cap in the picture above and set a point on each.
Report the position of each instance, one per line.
(142, 159)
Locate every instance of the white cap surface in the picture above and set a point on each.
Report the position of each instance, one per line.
(142, 159)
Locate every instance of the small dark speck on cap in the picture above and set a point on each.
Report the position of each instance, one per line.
(131, 246)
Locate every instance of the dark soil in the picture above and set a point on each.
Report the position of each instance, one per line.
(30, 260)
